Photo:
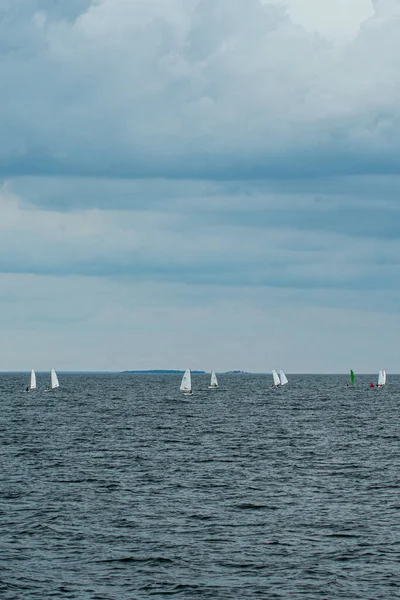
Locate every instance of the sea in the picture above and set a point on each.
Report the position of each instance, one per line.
(118, 487)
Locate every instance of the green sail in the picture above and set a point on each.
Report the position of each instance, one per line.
(352, 376)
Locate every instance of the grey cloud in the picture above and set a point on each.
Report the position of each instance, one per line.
(226, 248)
(227, 126)
(17, 11)
(361, 207)
(121, 325)
(202, 89)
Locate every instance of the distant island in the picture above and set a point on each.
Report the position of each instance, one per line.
(177, 372)
(161, 372)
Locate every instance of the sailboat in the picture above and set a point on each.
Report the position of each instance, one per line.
(283, 378)
(53, 381)
(277, 381)
(214, 381)
(32, 383)
(186, 384)
(381, 378)
(352, 376)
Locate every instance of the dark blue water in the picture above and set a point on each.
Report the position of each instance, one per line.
(116, 487)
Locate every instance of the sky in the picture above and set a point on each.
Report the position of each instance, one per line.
(200, 183)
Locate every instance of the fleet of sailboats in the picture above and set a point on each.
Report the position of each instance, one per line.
(381, 379)
(186, 383)
(279, 379)
(54, 383)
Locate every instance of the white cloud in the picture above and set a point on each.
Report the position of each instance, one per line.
(335, 19)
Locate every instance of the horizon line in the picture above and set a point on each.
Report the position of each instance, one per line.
(176, 371)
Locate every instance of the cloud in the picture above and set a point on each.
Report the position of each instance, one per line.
(214, 166)
(260, 242)
(195, 89)
(336, 20)
(77, 323)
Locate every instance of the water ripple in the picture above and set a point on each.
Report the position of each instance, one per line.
(118, 488)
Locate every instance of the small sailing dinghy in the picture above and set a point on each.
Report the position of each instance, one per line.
(214, 381)
(186, 384)
(53, 381)
(351, 376)
(277, 381)
(283, 378)
(381, 378)
(32, 383)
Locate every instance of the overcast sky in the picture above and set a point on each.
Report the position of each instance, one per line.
(203, 183)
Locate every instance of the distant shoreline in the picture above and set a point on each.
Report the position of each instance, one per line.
(160, 372)
(177, 372)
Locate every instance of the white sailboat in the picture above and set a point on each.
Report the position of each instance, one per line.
(277, 381)
(186, 384)
(283, 378)
(381, 378)
(214, 381)
(54, 380)
(32, 385)
(54, 384)
(32, 382)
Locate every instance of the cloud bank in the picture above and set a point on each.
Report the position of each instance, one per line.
(194, 89)
(223, 165)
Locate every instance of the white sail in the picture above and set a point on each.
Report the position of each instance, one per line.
(276, 377)
(384, 377)
(214, 380)
(283, 378)
(32, 385)
(381, 378)
(54, 380)
(186, 385)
